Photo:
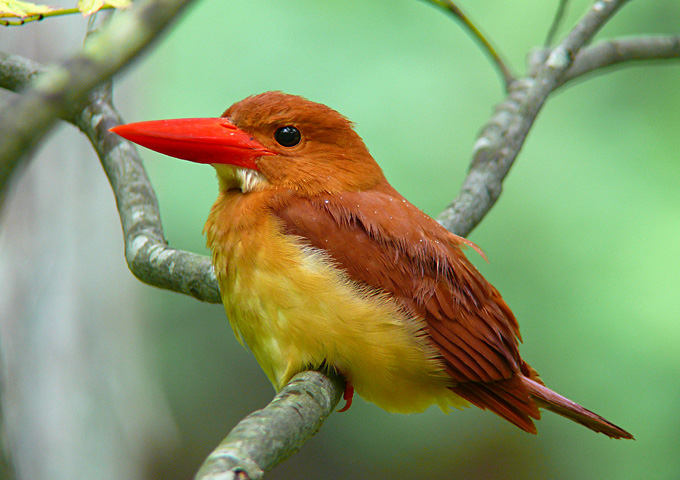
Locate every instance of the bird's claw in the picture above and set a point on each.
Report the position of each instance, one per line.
(348, 395)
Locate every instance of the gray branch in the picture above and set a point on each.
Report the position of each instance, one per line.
(63, 87)
(502, 138)
(146, 250)
(266, 437)
(622, 51)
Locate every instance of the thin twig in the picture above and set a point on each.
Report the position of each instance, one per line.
(559, 15)
(622, 51)
(451, 8)
(19, 21)
(502, 138)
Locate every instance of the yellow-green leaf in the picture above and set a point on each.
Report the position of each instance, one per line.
(88, 7)
(16, 8)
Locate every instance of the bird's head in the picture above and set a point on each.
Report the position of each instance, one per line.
(271, 140)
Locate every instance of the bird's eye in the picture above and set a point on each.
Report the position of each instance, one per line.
(288, 136)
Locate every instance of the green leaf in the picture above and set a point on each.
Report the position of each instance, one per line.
(88, 7)
(16, 8)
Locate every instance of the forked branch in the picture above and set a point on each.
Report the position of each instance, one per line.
(502, 137)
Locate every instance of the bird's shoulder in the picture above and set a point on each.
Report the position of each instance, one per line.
(356, 223)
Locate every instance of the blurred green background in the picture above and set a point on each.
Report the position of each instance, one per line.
(583, 244)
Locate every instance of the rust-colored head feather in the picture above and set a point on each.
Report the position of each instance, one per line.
(330, 156)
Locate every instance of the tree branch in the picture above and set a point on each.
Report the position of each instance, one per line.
(63, 87)
(146, 250)
(622, 50)
(266, 437)
(502, 138)
(16, 71)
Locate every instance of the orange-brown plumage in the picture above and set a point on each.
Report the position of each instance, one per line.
(321, 261)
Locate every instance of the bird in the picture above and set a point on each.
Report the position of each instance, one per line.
(323, 265)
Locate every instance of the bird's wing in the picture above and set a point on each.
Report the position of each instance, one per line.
(383, 241)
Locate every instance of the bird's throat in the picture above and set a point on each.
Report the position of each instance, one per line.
(240, 178)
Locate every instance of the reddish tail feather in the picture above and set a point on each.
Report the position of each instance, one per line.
(546, 398)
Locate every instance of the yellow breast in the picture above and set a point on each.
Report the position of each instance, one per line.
(296, 310)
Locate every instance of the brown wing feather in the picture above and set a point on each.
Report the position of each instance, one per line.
(383, 241)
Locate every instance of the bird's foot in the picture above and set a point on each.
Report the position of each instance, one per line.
(349, 394)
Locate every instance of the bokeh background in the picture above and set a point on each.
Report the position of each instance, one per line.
(122, 380)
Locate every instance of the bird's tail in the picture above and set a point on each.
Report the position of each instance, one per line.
(546, 398)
